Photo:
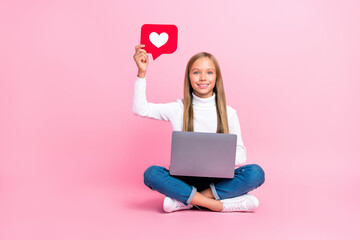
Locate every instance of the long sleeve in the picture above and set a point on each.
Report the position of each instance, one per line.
(159, 111)
(234, 128)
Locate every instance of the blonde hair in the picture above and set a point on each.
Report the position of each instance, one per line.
(188, 120)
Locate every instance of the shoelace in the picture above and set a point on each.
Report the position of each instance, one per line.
(236, 205)
(180, 205)
(197, 207)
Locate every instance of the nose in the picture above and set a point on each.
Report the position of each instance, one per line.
(203, 76)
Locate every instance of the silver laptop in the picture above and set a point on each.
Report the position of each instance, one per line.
(200, 154)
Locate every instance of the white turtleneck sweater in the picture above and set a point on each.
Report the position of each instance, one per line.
(205, 118)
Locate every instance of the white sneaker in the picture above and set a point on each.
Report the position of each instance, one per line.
(244, 202)
(171, 205)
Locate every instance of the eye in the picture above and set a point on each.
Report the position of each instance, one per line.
(196, 72)
(210, 72)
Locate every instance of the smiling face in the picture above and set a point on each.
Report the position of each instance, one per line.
(202, 77)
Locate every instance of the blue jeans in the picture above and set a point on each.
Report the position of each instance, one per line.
(183, 189)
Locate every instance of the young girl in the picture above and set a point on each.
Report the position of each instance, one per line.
(203, 109)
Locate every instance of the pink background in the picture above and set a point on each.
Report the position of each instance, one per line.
(73, 154)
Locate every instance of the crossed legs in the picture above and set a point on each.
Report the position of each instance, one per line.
(247, 178)
(206, 199)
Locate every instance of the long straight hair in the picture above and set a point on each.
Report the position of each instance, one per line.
(188, 120)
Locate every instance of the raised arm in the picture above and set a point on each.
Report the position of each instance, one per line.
(140, 105)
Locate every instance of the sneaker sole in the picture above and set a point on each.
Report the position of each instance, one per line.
(254, 199)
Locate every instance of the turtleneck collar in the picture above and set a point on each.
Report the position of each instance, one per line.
(203, 102)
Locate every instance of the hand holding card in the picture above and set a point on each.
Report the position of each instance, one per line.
(141, 60)
(159, 39)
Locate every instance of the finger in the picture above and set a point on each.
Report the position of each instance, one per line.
(137, 53)
(145, 57)
(138, 58)
(142, 50)
(143, 54)
(140, 54)
(143, 60)
(141, 57)
(139, 46)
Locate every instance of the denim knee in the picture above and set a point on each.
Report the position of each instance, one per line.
(258, 174)
(254, 173)
(150, 174)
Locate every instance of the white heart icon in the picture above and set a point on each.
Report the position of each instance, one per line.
(158, 40)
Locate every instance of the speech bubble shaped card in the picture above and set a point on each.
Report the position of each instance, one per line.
(159, 38)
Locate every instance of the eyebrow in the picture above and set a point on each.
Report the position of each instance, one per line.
(199, 69)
